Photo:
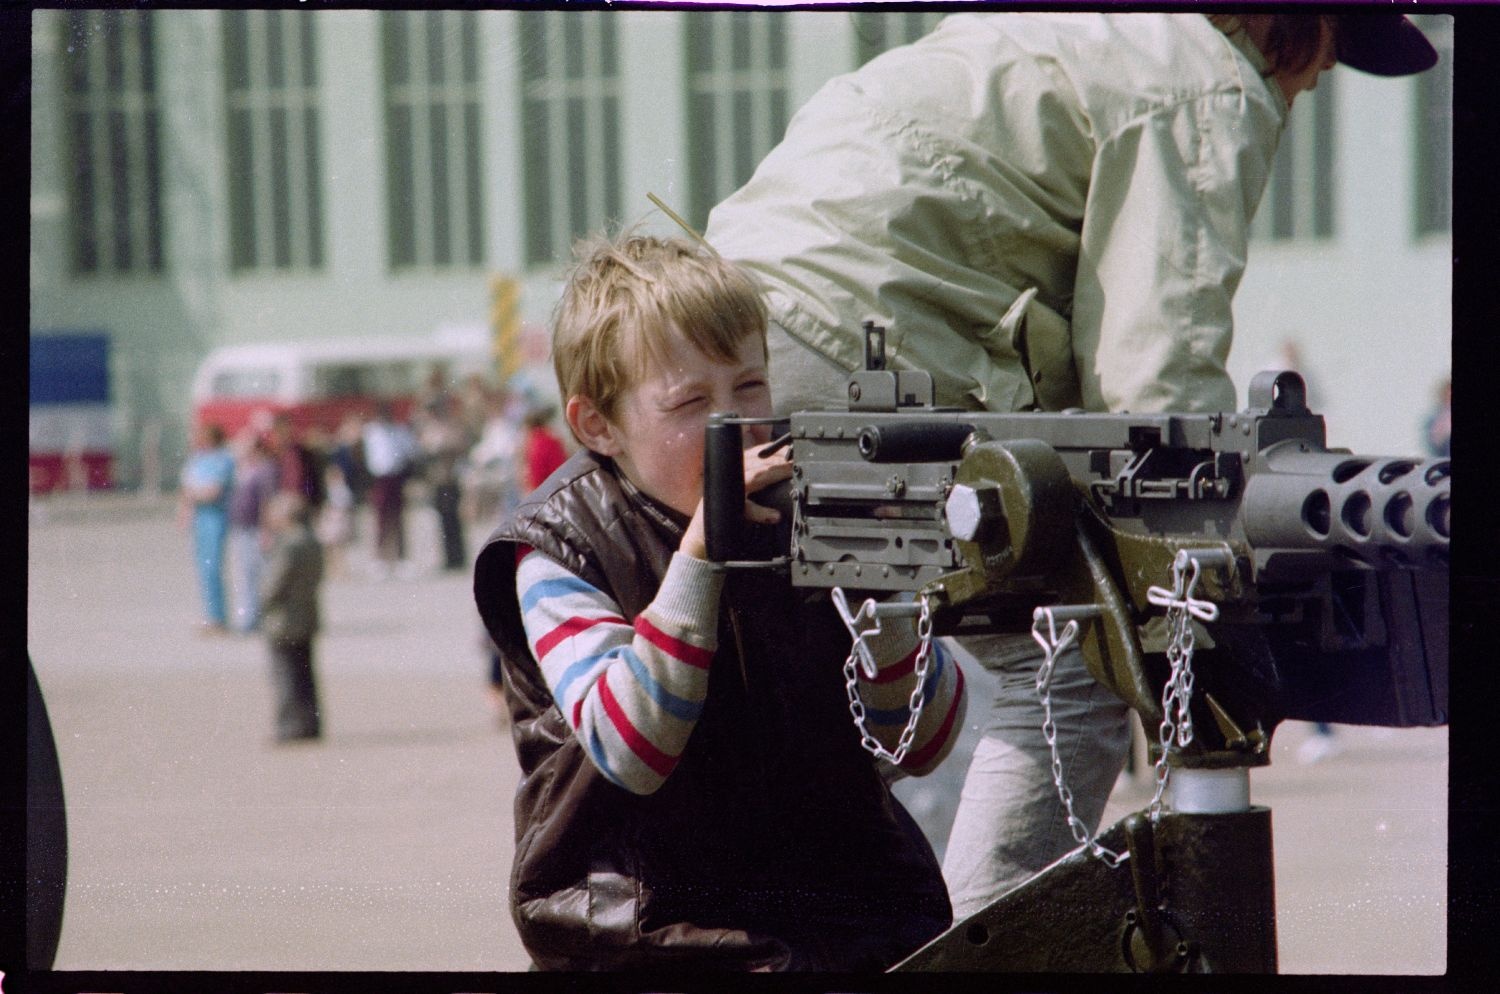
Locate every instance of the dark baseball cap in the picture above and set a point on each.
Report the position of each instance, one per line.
(1383, 44)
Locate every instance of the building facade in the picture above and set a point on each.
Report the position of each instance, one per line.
(212, 177)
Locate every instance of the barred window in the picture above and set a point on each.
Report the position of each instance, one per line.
(737, 100)
(1433, 131)
(271, 106)
(874, 32)
(570, 107)
(1299, 200)
(435, 209)
(113, 143)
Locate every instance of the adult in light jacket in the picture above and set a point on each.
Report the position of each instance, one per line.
(1045, 211)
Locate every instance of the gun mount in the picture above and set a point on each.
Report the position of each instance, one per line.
(1327, 573)
(1332, 583)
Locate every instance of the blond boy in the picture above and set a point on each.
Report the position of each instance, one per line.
(694, 792)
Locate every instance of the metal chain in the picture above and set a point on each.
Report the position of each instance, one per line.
(1177, 693)
(1054, 646)
(860, 652)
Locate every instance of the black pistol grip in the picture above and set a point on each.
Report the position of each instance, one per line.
(723, 488)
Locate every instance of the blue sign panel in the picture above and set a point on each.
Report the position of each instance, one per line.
(70, 369)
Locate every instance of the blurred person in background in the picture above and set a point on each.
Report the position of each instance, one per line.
(254, 484)
(348, 453)
(299, 466)
(443, 444)
(473, 403)
(390, 454)
(203, 507)
(335, 527)
(1321, 744)
(1438, 427)
(544, 450)
(348, 456)
(434, 390)
(495, 480)
(493, 477)
(290, 613)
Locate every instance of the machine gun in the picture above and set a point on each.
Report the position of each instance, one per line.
(1221, 572)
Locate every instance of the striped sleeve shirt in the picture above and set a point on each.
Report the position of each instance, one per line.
(886, 698)
(632, 693)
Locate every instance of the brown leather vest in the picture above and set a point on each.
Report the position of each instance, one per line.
(774, 844)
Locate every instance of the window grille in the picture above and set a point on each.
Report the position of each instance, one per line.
(272, 145)
(875, 32)
(570, 107)
(434, 176)
(113, 143)
(737, 100)
(1432, 131)
(1298, 202)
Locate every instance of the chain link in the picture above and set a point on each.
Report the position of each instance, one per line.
(859, 651)
(1177, 693)
(1053, 646)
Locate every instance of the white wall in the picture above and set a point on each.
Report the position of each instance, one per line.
(1371, 308)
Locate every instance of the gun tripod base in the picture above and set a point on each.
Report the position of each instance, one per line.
(1213, 909)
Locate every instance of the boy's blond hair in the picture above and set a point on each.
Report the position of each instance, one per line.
(626, 297)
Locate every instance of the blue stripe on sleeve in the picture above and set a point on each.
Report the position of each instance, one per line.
(678, 707)
(939, 659)
(580, 669)
(554, 587)
(597, 754)
(887, 716)
(898, 716)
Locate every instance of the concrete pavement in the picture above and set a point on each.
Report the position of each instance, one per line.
(195, 844)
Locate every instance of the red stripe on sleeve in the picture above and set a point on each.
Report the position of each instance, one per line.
(522, 551)
(653, 757)
(920, 758)
(568, 629)
(678, 649)
(896, 671)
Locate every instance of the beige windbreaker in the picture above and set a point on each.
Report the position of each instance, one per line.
(1111, 163)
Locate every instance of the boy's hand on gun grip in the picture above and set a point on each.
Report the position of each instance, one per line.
(761, 471)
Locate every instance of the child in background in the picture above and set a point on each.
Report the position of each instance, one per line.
(335, 527)
(694, 793)
(290, 616)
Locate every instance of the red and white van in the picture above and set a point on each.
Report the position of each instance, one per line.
(319, 383)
